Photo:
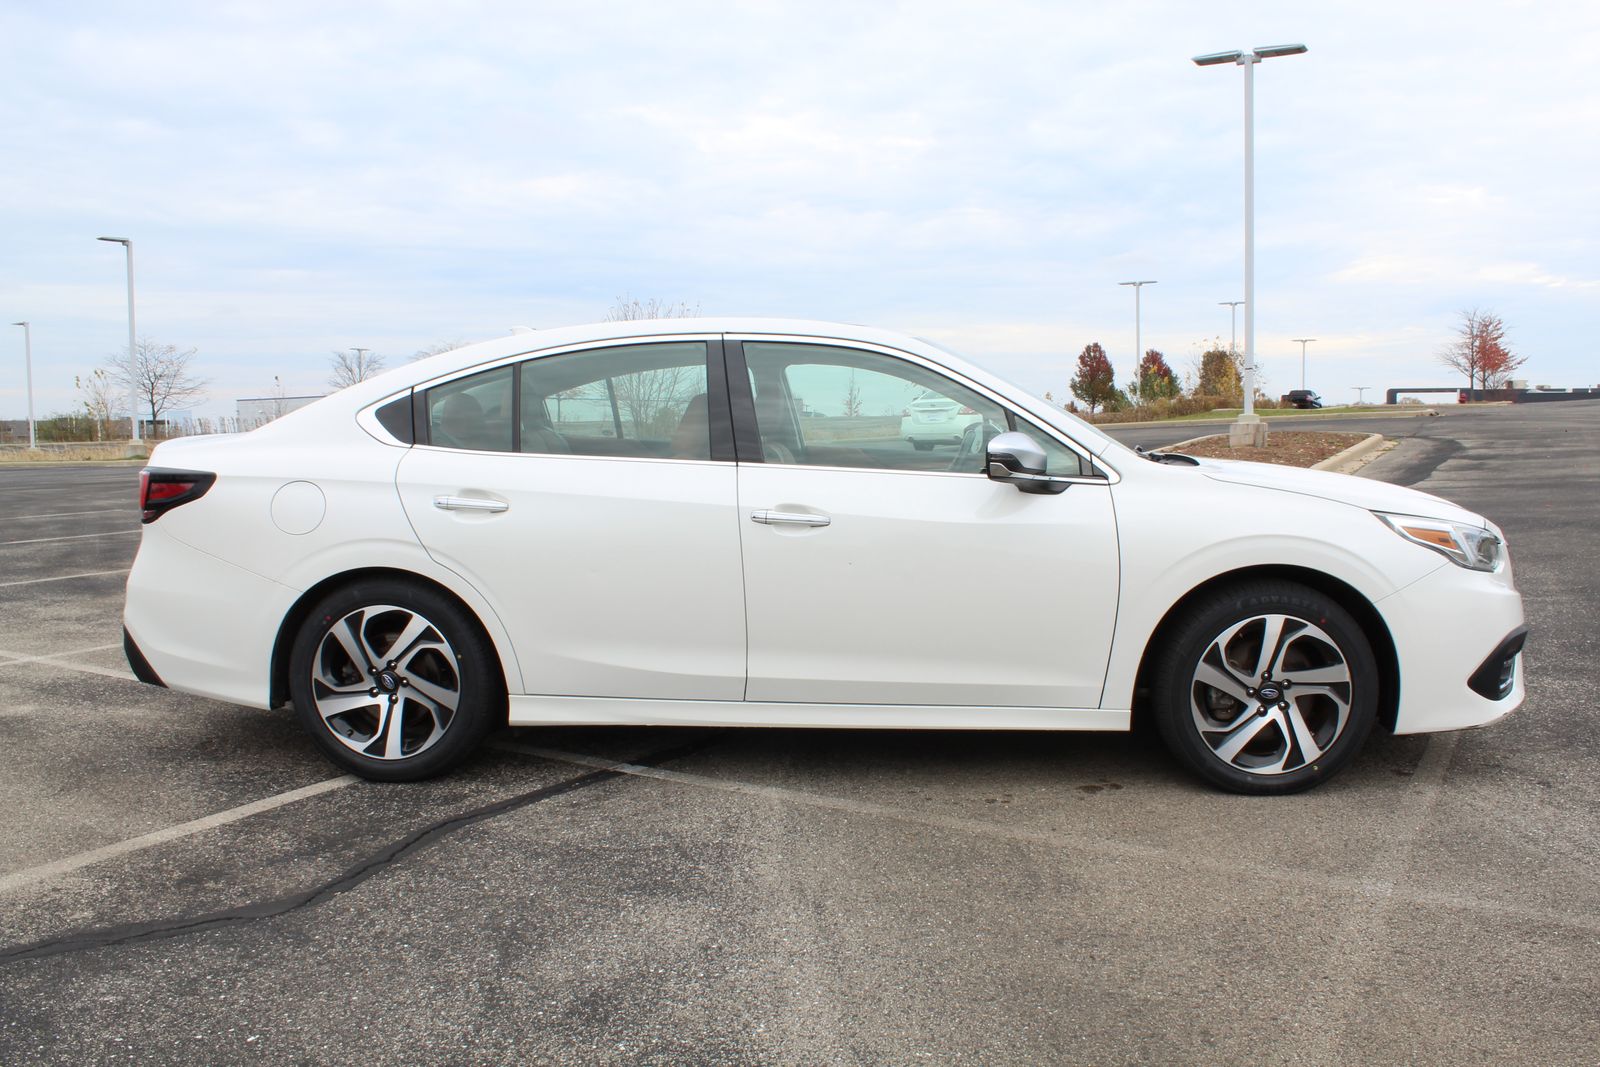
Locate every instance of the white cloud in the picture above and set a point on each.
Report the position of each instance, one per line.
(299, 177)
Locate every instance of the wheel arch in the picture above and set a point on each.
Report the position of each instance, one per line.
(278, 687)
(1345, 595)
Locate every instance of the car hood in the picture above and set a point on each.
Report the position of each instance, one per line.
(1358, 492)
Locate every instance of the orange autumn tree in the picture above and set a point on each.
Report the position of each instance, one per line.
(1479, 350)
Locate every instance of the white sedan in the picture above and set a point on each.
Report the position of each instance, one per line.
(632, 523)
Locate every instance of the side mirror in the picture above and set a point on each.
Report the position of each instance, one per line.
(1018, 459)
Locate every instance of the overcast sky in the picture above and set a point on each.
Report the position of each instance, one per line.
(301, 177)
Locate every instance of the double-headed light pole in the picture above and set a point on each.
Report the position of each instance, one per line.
(1248, 61)
(27, 356)
(1138, 340)
(1233, 323)
(1302, 342)
(133, 385)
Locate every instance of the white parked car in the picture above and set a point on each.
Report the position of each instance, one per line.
(932, 419)
(630, 523)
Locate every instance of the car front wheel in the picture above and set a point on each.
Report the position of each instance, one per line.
(394, 681)
(1269, 687)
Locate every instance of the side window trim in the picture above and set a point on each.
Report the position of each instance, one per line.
(718, 407)
(746, 434)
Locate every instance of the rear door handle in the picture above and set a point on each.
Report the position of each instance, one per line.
(788, 518)
(468, 503)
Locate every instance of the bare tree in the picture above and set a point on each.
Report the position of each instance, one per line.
(356, 365)
(852, 398)
(1479, 350)
(159, 375)
(438, 347)
(100, 398)
(628, 309)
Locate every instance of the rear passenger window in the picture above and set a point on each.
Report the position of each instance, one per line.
(642, 401)
(472, 413)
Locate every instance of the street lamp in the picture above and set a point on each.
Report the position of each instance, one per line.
(133, 397)
(1302, 342)
(1233, 323)
(1249, 421)
(1361, 394)
(1138, 341)
(27, 356)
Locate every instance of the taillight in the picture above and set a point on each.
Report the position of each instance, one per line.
(966, 411)
(161, 489)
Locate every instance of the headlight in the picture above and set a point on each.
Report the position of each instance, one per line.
(1465, 545)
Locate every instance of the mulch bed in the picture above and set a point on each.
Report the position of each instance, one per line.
(1292, 448)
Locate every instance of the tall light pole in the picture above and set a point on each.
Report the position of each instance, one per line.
(1249, 421)
(127, 244)
(1233, 323)
(1138, 340)
(1302, 342)
(1361, 394)
(27, 356)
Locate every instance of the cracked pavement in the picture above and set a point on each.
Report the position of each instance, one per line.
(581, 895)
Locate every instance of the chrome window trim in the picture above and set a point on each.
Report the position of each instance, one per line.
(575, 455)
(1076, 479)
(540, 353)
(563, 350)
(1011, 406)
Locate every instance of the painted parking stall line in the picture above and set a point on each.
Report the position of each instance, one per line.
(1381, 887)
(44, 872)
(70, 537)
(63, 577)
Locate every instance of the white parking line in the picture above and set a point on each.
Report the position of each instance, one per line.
(30, 875)
(75, 514)
(1383, 890)
(12, 659)
(63, 577)
(60, 659)
(69, 537)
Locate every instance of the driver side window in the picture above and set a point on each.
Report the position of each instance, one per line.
(825, 406)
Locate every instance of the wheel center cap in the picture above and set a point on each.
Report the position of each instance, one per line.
(1269, 694)
(388, 681)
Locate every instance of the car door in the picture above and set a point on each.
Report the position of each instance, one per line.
(882, 571)
(590, 497)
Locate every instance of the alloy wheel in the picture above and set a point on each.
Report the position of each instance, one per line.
(385, 683)
(1271, 694)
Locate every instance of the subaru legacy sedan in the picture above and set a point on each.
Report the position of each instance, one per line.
(723, 522)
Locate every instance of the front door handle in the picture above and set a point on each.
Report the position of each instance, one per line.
(468, 503)
(788, 518)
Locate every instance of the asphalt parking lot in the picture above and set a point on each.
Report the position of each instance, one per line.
(188, 882)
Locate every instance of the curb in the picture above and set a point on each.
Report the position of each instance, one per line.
(1352, 458)
(1225, 420)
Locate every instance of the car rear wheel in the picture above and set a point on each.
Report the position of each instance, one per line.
(921, 446)
(394, 681)
(1269, 687)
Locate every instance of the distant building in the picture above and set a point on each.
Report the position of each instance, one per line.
(259, 410)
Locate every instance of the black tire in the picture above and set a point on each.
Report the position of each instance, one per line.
(921, 446)
(1241, 734)
(342, 696)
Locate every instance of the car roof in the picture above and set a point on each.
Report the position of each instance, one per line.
(532, 342)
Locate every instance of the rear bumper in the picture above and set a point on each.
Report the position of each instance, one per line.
(199, 624)
(141, 666)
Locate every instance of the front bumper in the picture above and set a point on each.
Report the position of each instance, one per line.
(1457, 635)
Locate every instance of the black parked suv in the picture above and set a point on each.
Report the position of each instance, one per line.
(1302, 398)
